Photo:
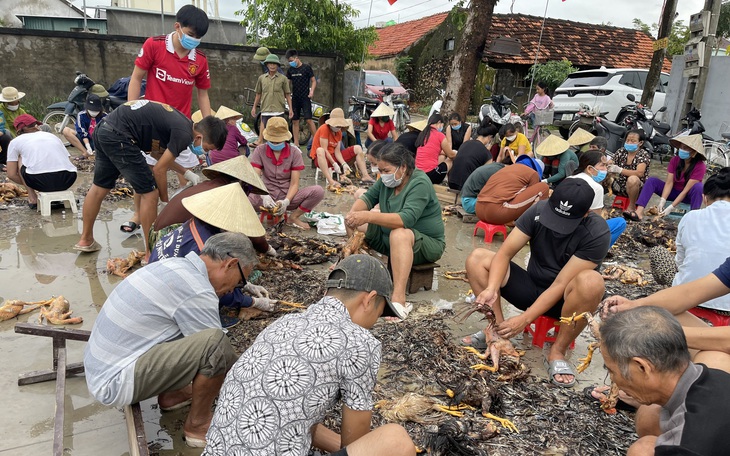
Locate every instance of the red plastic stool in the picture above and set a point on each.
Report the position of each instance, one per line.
(712, 317)
(271, 218)
(490, 230)
(621, 202)
(540, 331)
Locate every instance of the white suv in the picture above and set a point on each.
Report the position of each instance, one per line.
(606, 88)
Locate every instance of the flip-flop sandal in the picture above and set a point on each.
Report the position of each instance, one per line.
(94, 247)
(401, 309)
(194, 442)
(478, 341)
(559, 367)
(631, 216)
(620, 405)
(128, 227)
(177, 406)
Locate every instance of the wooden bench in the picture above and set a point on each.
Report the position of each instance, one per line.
(465, 216)
(421, 276)
(61, 370)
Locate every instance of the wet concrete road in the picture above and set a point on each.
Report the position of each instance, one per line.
(37, 261)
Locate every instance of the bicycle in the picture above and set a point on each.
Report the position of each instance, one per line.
(717, 153)
(543, 118)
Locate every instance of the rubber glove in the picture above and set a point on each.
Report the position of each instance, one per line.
(662, 203)
(272, 252)
(336, 168)
(346, 169)
(667, 210)
(89, 150)
(615, 169)
(268, 201)
(192, 178)
(256, 291)
(265, 304)
(282, 208)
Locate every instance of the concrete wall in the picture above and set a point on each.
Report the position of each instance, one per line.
(54, 8)
(715, 105)
(147, 23)
(43, 64)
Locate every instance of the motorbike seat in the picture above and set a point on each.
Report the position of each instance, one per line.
(613, 127)
(663, 127)
(366, 100)
(726, 135)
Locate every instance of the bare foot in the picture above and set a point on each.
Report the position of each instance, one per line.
(299, 222)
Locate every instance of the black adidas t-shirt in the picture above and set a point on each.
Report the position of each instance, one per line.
(300, 78)
(550, 251)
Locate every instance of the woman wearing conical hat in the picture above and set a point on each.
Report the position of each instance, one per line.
(234, 141)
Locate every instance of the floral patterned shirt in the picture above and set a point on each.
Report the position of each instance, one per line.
(621, 159)
(294, 372)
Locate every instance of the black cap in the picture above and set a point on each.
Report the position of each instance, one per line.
(567, 206)
(93, 103)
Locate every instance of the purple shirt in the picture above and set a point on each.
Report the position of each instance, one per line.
(276, 173)
(698, 173)
(230, 148)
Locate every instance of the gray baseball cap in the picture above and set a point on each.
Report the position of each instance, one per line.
(365, 273)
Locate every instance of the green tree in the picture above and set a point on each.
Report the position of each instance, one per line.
(723, 24)
(308, 25)
(553, 73)
(677, 37)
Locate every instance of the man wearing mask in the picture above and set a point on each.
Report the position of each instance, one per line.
(9, 110)
(86, 122)
(303, 84)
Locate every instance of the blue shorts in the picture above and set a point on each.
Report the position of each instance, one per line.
(469, 204)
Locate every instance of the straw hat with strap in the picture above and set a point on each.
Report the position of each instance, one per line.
(689, 143)
(227, 208)
(337, 118)
(238, 168)
(552, 145)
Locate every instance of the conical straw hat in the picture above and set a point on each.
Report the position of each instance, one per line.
(239, 168)
(227, 208)
(198, 116)
(417, 126)
(580, 137)
(225, 112)
(382, 110)
(693, 142)
(552, 145)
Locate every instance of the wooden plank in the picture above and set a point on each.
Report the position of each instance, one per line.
(49, 374)
(60, 402)
(135, 431)
(465, 216)
(50, 331)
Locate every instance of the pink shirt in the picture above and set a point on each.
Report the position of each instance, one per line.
(427, 156)
(698, 173)
(276, 173)
(538, 102)
(230, 148)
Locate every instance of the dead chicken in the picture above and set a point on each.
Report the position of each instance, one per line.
(271, 210)
(476, 393)
(625, 274)
(456, 275)
(59, 313)
(456, 437)
(354, 245)
(350, 189)
(9, 191)
(13, 308)
(120, 266)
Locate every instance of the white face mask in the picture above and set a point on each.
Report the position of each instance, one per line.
(13, 107)
(511, 138)
(93, 113)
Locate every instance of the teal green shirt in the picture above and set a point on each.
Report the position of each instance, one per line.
(417, 204)
(565, 158)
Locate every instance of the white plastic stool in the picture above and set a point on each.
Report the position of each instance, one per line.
(46, 198)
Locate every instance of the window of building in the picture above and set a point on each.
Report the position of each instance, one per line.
(449, 44)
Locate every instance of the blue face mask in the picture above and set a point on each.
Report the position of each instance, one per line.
(276, 147)
(456, 127)
(197, 150)
(600, 176)
(683, 154)
(293, 64)
(440, 129)
(630, 147)
(188, 42)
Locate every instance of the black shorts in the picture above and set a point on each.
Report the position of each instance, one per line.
(56, 181)
(438, 174)
(299, 105)
(117, 154)
(521, 291)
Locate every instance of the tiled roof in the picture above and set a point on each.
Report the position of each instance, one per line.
(397, 38)
(583, 44)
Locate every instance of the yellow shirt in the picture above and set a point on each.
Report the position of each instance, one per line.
(520, 140)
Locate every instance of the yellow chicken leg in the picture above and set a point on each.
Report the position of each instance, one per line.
(481, 366)
(445, 409)
(585, 362)
(476, 352)
(507, 424)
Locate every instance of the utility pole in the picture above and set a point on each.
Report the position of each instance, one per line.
(660, 50)
(713, 6)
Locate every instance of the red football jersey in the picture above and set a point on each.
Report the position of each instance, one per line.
(170, 79)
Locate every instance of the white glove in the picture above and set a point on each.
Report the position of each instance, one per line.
(282, 208)
(256, 291)
(336, 168)
(268, 201)
(668, 210)
(272, 252)
(346, 169)
(661, 204)
(544, 181)
(192, 178)
(615, 169)
(265, 304)
(89, 150)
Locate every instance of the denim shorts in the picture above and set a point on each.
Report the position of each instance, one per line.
(117, 154)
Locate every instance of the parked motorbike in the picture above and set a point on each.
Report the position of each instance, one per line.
(360, 110)
(499, 111)
(402, 117)
(637, 116)
(436, 106)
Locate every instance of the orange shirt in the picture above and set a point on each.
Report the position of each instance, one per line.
(325, 132)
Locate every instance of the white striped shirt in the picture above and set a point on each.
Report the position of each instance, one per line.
(161, 302)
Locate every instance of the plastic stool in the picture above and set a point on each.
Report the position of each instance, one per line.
(621, 202)
(271, 217)
(490, 230)
(542, 326)
(46, 198)
(709, 315)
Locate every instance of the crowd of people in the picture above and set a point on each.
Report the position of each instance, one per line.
(161, 331)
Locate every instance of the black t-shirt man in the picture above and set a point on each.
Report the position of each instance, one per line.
(472, 154)
(408, 140)
(300, 77)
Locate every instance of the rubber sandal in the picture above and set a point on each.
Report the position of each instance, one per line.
(94, 247)
(194, 442)
(177, 406)
(559, 367)
(128, 227)
(478, 341)
(401, 310)
(620, 405)
(631, 216)
(33, 206)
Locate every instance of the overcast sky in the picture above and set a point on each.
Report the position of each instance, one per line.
(617, 12)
